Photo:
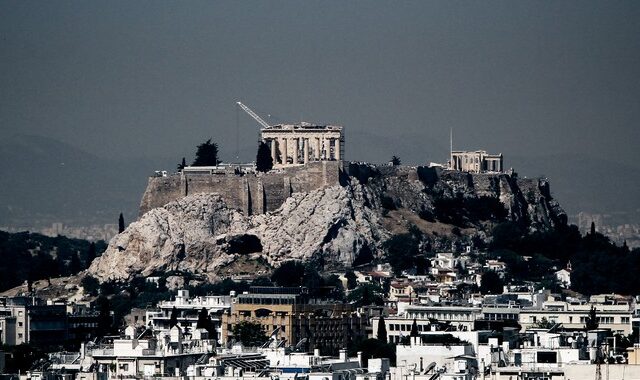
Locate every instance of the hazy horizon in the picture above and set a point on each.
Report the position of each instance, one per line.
(534, 81)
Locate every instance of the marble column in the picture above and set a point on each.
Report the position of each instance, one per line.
(305, 150)
(336, 149)
(273, 151)
(317, 152)
(296, 142)
(283, 151)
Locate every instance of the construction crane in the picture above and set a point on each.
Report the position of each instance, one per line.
(253, 115)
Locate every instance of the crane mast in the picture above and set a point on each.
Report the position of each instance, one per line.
(253, 115)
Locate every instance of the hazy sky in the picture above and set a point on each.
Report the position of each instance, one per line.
(132, 78)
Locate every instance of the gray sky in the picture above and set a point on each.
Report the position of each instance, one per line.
(126, 79)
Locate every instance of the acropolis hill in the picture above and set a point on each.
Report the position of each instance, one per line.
(313, 206)
(335, 215)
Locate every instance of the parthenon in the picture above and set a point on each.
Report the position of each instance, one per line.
(297, 144)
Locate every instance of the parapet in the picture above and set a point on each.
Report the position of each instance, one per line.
(248, 191)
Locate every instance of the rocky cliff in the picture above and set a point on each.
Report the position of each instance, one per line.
(331, 226)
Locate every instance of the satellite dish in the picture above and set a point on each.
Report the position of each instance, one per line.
(570, 339)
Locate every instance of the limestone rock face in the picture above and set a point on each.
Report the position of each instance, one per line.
(168, 238)
(331, 226)
(200, 234)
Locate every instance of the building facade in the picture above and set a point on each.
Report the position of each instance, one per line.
(290, 317)
(478, 161)
(302, 143)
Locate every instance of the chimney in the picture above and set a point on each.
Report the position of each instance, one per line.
(343, 356)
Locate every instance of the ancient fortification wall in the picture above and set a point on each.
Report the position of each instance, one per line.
(250, 193)
(524, 198)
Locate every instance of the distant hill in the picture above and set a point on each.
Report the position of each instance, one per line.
(46, 181)
(26, 256)
(584, 183)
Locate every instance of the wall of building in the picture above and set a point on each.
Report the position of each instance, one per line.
(250, 193)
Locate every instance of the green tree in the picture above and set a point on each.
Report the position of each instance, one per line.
(120, 223)
(395, 161)
(105, 320)
(250, 334)
(414, 329)
(491, 283)
(290, 273)
(336, 289)
(365, 295)
(382, 330)
(592, 320)
(543, 323)
(182, 164)
(90, 285)
(205, 322)
(75, 265)
(91, 254)
(173, 319)
(207, 154)
(402, 251)
(373, 348)
(351, 280)
(264, 161)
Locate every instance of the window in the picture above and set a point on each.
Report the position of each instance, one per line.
(605, 320)
(625, 319)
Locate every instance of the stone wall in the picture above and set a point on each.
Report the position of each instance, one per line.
(249, 193)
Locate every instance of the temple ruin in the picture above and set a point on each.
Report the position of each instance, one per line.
(297, 144)
(478, 161)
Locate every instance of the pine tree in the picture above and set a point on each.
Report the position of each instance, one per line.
(414, 329)
(173, 320)
(264, 161)
(207, 154)
(104, 319)
(182, 164)
(382, 330)
(202, 318)
(352, 280)
(205, 322)
(91, 254)
(592, 320)
(593, 228)
(75, 265)
(121, 224)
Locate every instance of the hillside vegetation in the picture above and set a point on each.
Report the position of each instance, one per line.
(29, 257)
